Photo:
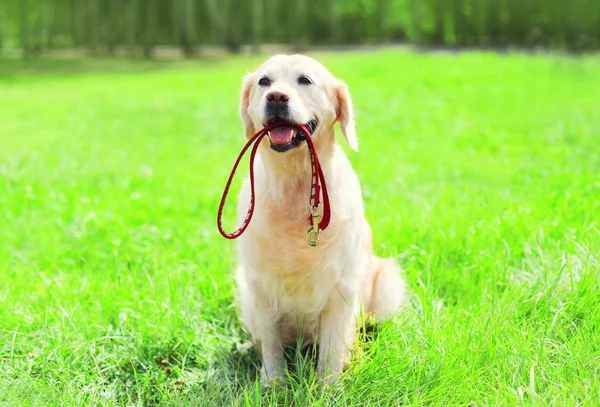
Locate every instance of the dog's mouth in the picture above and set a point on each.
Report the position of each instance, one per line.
(288, 136)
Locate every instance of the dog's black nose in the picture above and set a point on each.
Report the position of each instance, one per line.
(277, 98)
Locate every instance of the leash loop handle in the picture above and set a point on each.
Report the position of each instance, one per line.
(237, 233)
(318, 219)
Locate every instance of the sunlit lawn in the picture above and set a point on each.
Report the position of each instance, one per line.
(480, 172)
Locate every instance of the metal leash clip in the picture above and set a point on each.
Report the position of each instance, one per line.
(312, 235)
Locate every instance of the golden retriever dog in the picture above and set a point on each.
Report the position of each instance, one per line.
(288, 289)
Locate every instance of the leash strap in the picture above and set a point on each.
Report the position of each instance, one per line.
(318, 220)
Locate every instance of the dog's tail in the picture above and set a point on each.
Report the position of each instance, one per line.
(387, 289)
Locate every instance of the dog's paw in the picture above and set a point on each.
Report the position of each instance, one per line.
(268, 380)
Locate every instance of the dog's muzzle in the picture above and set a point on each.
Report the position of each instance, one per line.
(287, 137)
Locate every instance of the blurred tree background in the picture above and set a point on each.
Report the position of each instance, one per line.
(140, 26)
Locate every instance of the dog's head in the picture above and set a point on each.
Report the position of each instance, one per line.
(299, 90)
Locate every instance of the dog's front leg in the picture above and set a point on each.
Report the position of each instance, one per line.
(336, 333)
(272, 354)
(263, 323)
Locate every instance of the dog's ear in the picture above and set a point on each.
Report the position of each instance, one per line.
(245, 103)
(345, 114)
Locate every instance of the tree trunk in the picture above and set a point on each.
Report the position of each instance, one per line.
(216, 19)
(151, 32)
(381, 8)
(189, 27)
(132, 22)
(417, 21)
(93, 23)
(24, 27)
(1, 29)
(176, 21)
(334, 21)
(257, 25)
(439, 15)
(114, 25)
(301, 27)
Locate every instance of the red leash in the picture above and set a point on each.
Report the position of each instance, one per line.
(318, 186)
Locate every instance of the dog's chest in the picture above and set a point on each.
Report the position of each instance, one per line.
(294, 275)
(300, 295)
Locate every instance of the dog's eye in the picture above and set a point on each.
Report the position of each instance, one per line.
(304, 80)
(264, 81)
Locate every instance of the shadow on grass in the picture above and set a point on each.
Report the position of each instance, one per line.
(247, 362)
(12, 69)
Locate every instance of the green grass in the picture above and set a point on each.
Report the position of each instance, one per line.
(481, 173)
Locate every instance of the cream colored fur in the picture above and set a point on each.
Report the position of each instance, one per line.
(287, 288)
